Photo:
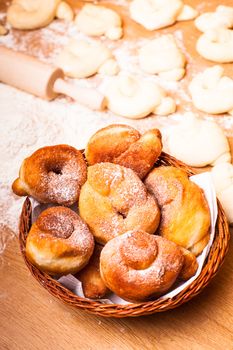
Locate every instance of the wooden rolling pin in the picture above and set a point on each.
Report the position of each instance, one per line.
(43, 80)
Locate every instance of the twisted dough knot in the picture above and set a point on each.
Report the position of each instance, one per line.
(216, 45)
(185, 217)
(137, 266)
(114, 200)
(31, 14)
(123, 145)
(138, 252)
(162, 56)
(99, 20)
(59, 242)
(212, 91)
(57, 222)
(52, 174)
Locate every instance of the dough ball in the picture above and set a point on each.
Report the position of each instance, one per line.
(216, 45)
(212, 92)
(155, 14)
(31, 14)
(135, 98)
(221, 18)
(162, 55)
(197, 142)
(81, 59)
(222, 175)
(99, 20)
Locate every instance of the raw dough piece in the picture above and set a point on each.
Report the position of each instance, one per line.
(98, 20)
(216, 45)
(81, 59)
(64, 11)
(109, 67)
(135, 98)
(197, 142)
(31, 14)
(222, 175)
(155, 14)
(162, 56)
(187, 13)
(221, 18)
(212, 92)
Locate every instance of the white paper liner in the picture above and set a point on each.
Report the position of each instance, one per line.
(204, 181)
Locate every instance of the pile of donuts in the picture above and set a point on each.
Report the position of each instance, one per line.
(135, 227)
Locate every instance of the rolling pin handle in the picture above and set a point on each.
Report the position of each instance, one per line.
(85, 96)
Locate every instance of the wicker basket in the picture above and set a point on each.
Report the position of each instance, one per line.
(211, 266)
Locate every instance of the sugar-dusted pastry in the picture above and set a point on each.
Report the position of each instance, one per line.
(216, 45)
(31, 14)
(52, 174)
(212, 91)
(155, 14)
(222, 17)
(59, 242)
(99, 20)
(123, 145)
(138, 266)
(135, 98)
(162, 56)
(222, 175)
(114, 200)
(197, 142)
(185, 216)
(92, 283)
(82, 59)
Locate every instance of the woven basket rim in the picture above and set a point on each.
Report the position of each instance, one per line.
(212, 264)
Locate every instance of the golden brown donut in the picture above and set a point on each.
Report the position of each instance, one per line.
(59, 242)
(123, 145)
(52, 174)
(138, 266)
(114, 200)
(190, 265)
(185, 216)
(92, 283)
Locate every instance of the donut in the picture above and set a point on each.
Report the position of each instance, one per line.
(92, 282)
(114, 200)
(52, 174)
(185, 216)
(138, 266)
(123, 145)
(59, 242)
